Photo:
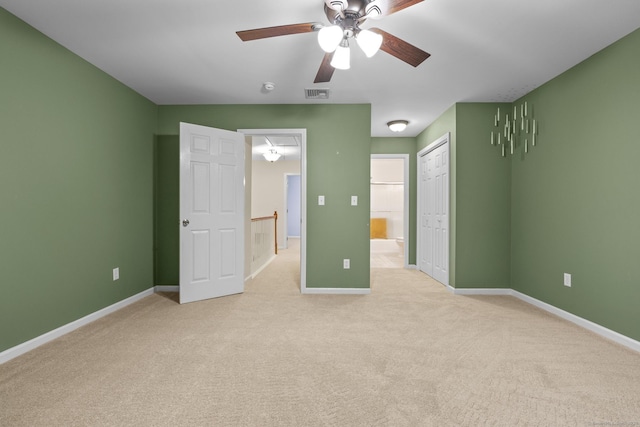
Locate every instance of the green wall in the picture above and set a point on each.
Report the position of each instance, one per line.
(79, 166)
(403, 146)
(75, 186)
(338, 166)
(483, 184)
(166, 221)
(479, 252)
(575, 196)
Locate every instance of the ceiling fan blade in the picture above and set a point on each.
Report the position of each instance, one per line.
(394, 6)
(282, 30)
(325, 72)
(401, 49)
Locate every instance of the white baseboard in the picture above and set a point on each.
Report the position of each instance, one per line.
(336, 291)
(411, 267)
(584, 323)
(481, 291)
(166, 288)
(262, 267)
(587, 324)
(23, 348)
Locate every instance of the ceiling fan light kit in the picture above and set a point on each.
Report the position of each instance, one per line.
(345, 18)
(369, 42)
(397, 125)
(342, 57)
(329, 38)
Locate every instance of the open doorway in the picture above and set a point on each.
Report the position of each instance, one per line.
(285, 151)
(389, 220)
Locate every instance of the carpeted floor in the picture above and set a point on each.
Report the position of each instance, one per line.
(409, 354)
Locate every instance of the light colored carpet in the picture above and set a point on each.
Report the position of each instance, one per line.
(386, 260)
(409, 354)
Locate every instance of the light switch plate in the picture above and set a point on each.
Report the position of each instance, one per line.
(116, 273)
(354, 200)
(346, 263)
(321, 200)
(567, 279)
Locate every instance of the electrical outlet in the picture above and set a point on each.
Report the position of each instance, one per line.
(346, 263)
(116, 273)
(567, 279)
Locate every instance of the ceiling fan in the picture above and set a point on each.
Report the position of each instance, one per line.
(345, 17)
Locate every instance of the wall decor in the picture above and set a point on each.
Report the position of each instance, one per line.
(518, 130)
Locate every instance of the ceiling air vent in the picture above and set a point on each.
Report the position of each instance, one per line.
(316, 93)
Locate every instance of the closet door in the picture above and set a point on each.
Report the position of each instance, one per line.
(433, 210)
(426, 213)
(441, 214)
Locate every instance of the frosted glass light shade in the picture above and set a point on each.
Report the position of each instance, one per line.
(397, 125)
(330, 37)
(369, 42)
(342, 58)
(271, 156)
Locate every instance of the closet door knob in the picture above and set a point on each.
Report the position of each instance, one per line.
(185, 222)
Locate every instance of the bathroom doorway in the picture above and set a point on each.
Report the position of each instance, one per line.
(389, 210)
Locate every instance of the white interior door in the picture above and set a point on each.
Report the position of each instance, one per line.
(433, 210)
(441, 214)
(427, 214)
(211, 212)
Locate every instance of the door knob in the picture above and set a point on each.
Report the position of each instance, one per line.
(185, 222)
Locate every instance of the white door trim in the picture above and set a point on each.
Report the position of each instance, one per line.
(405, 219)
(444, 139)
(303, 190)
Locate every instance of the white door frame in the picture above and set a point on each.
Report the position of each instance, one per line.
(302, 133)
(444, 139)
(405, 214)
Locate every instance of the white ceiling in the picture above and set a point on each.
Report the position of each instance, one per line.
(187, 52)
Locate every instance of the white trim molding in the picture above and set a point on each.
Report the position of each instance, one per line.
(584, 323)
(27, 346)
(587, 324)
(481, 291)
(405, 214)
(302, 133)
(262, 267)
(337, 291)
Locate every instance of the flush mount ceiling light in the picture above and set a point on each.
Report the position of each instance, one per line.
(272, 155)
(345, 20)
(397, 125)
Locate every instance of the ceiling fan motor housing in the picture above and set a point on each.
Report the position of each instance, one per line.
(354, 8)
(347, 14)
